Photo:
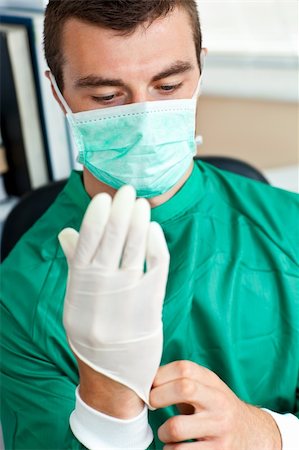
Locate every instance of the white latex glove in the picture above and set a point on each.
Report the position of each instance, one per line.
(112, 311)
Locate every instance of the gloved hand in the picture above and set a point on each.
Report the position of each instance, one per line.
(112, 312)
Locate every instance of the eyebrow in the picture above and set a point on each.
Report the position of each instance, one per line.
(175, 69)
(98, 81)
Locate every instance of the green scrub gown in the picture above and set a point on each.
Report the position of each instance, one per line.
(232, 303)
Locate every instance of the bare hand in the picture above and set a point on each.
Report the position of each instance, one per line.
(217, 419)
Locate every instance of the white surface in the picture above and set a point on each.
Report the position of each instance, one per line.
(24, 83)
(56, 128)
(284, 177)
(26, 4)
(253, 48)
(239, 76)
(267, 27)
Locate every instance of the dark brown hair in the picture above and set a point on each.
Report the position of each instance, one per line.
(120, 15)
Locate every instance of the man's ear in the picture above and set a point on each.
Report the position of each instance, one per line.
(47, 74)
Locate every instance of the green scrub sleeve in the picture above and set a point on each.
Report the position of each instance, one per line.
(37, 398)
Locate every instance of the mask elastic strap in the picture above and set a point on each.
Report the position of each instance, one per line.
(59, 94)
(198, 87)
(202, 59)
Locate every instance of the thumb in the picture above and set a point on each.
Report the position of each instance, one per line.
(68, 239)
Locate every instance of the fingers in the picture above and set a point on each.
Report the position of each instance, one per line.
(186, 369)
(120, 233)
(183, 390)
(92, 228)
(182, 428)
(68, 239)
(109, 253)
(157, 250)
(135, 246)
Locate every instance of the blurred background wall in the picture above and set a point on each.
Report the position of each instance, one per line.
(249, 103)
(262, 132)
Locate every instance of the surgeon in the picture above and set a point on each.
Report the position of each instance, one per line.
(156, 302)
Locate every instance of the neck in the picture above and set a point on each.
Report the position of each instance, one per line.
(93, 186)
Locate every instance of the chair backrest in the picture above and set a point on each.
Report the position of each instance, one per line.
(26, 212)
(234, 165)
(31, 207)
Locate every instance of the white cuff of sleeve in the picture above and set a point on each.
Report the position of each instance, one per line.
(288, 425)
(96, 430)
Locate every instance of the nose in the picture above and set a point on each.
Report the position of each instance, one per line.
(139, 95)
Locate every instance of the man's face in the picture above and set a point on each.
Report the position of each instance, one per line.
(103, 68)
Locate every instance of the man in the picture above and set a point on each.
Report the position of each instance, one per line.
(230, 314)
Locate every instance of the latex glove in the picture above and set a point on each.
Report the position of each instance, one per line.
(112, 311)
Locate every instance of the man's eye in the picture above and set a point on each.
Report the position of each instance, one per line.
(170, 87)
(104, 99)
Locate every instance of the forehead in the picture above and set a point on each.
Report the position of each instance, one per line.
(88, 48)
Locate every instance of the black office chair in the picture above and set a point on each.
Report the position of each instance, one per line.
(234, 165)
(27, 211)
(32, 205)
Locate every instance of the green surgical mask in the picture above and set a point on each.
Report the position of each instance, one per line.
(148, 145)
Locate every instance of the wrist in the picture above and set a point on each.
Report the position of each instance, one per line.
(96, 430)
(108, 396)
(268, 432)
(276, 435)
(288, 425)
